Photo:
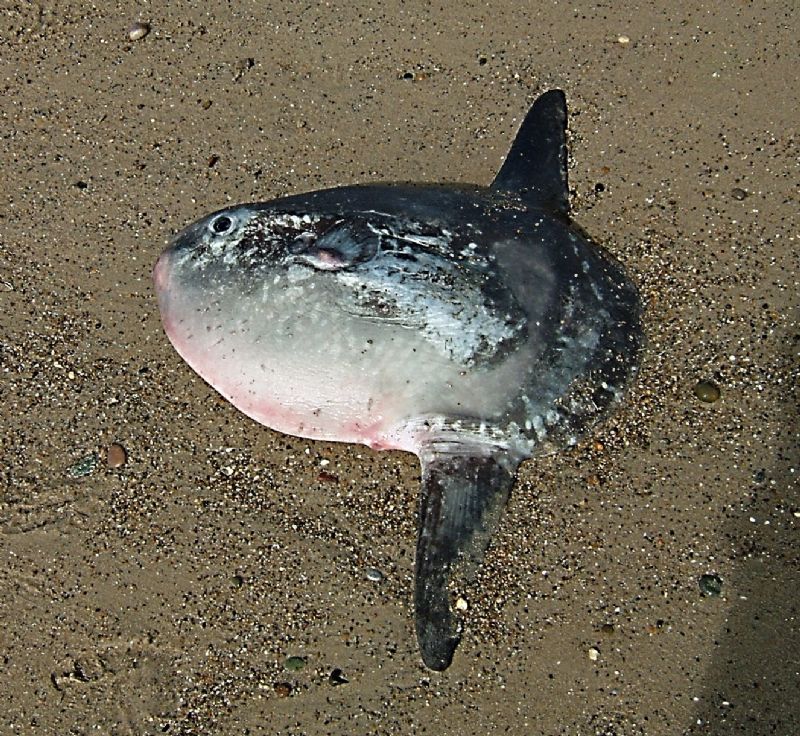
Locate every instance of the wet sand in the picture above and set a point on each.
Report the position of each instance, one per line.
(168, 594)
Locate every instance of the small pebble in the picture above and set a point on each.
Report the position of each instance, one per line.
(116, 456)
(707, 392)
(373, 574)
(138, 31)
(738, 193)
(594, 653)
(294, 664)
(710, 585)
(461, 604)
(623, 40)
(283, 689)
(242, 66)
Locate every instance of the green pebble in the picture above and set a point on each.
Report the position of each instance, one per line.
(85, 466)
(294, 664)
(710, 585)
(707, 392)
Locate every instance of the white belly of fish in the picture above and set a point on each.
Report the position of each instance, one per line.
(326, 375)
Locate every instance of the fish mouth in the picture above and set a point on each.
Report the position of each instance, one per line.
(183, 241)
(161, 272)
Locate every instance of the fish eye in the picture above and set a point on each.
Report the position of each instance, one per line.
(221, 225)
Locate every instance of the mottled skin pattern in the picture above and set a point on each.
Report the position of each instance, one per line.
(473, 326)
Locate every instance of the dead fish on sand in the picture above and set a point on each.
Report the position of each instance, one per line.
(475, 327)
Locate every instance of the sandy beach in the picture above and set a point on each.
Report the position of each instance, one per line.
(171, 567)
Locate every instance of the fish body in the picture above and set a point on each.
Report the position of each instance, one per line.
(473, 326)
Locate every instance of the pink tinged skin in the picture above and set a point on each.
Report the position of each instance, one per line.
(328, 260)
(161, 273)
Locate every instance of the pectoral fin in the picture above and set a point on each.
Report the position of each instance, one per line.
(463, 496)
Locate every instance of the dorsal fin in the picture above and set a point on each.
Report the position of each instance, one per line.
(536, 166)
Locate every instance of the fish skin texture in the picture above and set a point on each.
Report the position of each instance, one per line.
(474, 326)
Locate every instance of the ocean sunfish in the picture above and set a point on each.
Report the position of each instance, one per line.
(473, 326)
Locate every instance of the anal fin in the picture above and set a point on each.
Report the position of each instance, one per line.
(463, 495)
